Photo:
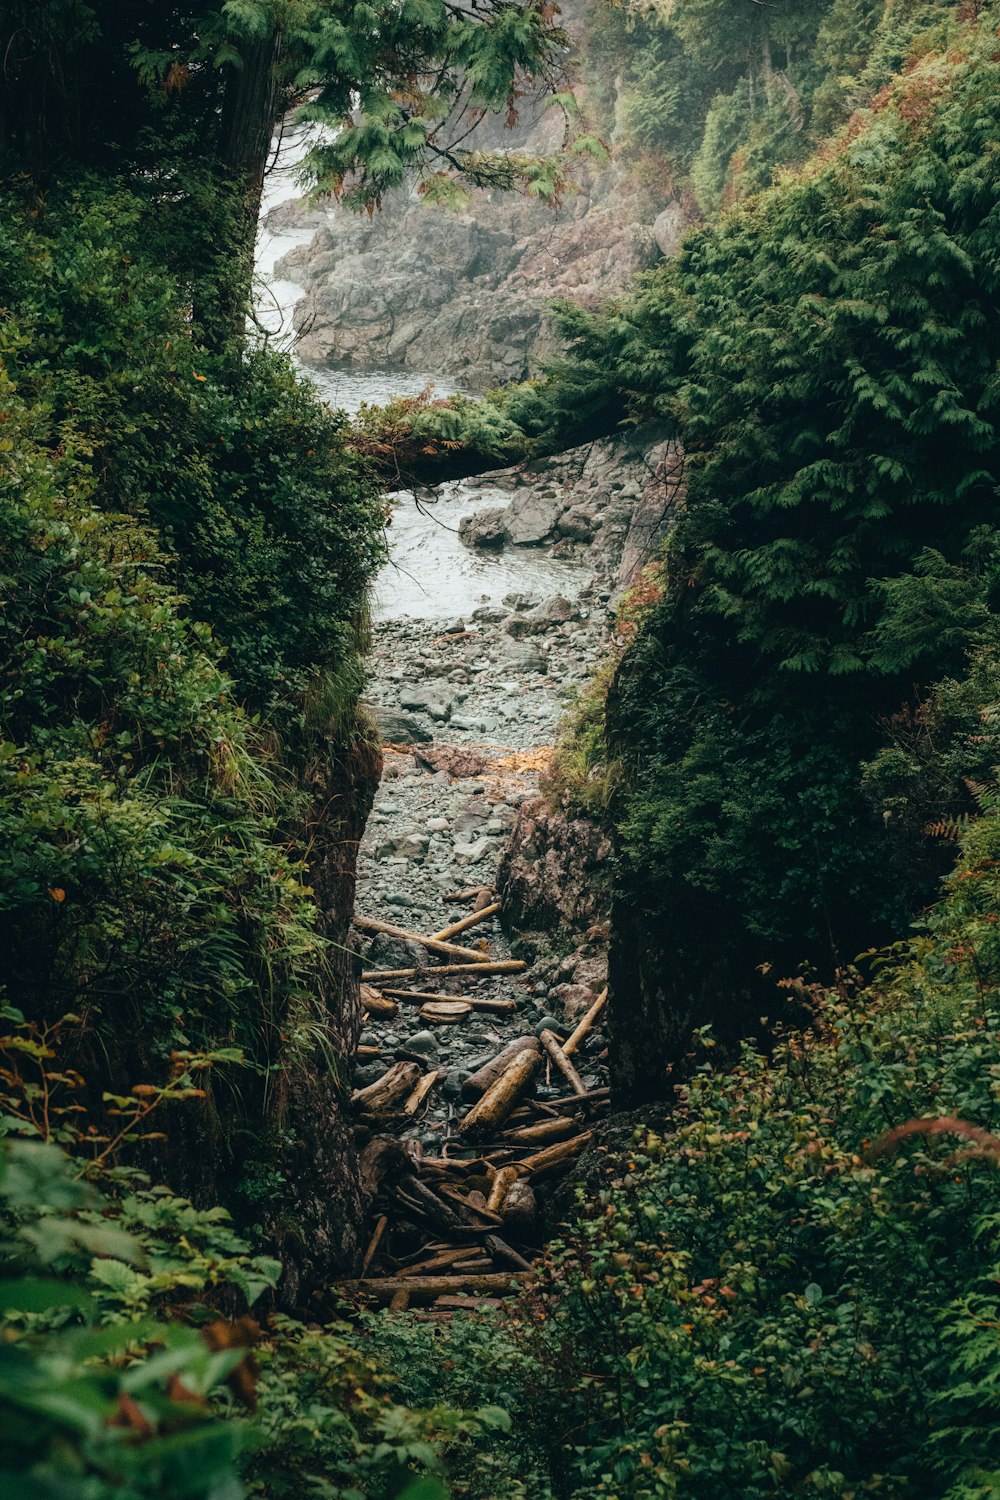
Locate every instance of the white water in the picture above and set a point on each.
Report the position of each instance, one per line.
(431, 574)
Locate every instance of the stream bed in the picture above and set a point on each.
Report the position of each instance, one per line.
(475, 657)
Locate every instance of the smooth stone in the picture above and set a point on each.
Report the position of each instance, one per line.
(425, 1042)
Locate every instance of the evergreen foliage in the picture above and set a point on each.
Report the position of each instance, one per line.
(726, 94)
(828, 353)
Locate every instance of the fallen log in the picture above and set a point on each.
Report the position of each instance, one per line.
(455, 1255)
(472, 920)
(421, 1091)
(400, 1300)
(553, 1157)
(574, 1040)
(426, 1288)
(380, 1097)
(478, 1082)
(539, 1135)
(551, 1043)
(374, 1243)
(429, 1208)
(570, 1102)
(488, 966)
(376, 1004)
(504, 1253)
(469, 1210)
(500, 1187)
(472, 893)
(445, 1012)
(502, 1096)
(450, 950)
(421, 997)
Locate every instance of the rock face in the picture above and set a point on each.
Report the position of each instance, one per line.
(553, 874)
(554, 881)
(466, 298)
(608, 504)
(468, 294)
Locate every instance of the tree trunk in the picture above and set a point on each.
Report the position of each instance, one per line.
(250, 112)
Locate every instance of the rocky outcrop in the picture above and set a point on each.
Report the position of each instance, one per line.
(607, 504)
(462, 295)
(468, 295)
(554, 881)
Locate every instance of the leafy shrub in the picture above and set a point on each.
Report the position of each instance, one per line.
(144, 875)
(268, 523)
(130, 1365)
(819, 350)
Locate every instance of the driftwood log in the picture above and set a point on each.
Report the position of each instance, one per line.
(426, 1288)
(450, 950)
(500, 1187)
(502, 1096)
(383, 1095)
(445, 1012)
(550, 1042)
(574, 1040)
(472, 920)
(376, 1003)
(421, 1091)
(541, 1134)
(552, 1158)
(478, 1082)
(487, 966)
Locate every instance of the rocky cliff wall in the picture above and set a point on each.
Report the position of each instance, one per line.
(468, 294)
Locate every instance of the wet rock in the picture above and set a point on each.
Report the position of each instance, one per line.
(454, 759)
(554, 872)
(487, 530)
(393, 953)
(431, 698)
(531, 517)
(424, 1043)
(577, 526)
(574, 1000)
(471, 853)
(414, 846)
(399, 729)
(548, 1022)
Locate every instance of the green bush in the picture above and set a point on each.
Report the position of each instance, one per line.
(828, 353)
(130, 1365)
(270, 526)
(146, 876)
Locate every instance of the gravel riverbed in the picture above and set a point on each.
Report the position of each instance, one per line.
(468, 709)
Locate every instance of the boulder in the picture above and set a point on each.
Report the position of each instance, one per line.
(487, 530)
(399, 729)
(531, 517)
(669, 227)
(577, 526)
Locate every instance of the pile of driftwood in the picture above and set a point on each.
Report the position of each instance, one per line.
(461, 1226)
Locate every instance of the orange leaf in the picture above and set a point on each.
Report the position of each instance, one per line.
(57, 893)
